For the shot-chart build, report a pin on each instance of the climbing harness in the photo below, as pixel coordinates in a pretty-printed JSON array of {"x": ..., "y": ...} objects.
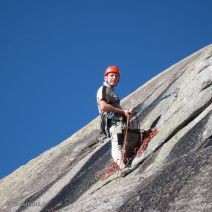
[{"x": 107, "y": 120}]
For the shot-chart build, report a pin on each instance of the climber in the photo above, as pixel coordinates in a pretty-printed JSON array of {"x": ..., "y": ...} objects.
[{"x": 113, "y": 116}]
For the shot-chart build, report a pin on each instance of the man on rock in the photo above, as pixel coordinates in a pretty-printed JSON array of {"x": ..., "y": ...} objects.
[{"x": 113, "y": 116}]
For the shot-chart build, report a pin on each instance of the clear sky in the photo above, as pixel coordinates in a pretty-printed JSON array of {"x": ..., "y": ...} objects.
[{"x": 53, "y": 54}]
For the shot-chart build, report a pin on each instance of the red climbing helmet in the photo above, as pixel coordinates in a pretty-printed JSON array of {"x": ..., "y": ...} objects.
[{"x": 112, "y": 69}]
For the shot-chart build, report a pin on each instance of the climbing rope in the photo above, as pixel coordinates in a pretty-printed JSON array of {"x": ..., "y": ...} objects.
[
  {"x": 145, "y": 141},
  {"x": 113, "y": 167},
  {"x": 123, "y": 155},
  {"x": 110, "y": 169}
]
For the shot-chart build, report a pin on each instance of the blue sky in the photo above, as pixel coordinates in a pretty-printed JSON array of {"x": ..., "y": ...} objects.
[{"x": 53, "y": 54}]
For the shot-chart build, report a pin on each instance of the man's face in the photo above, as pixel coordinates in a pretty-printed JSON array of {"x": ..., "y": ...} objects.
[{"x": 112, "y": 79}]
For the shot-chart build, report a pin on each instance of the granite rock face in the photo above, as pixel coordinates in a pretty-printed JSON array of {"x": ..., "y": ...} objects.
[{"x": 173, "y": 174}]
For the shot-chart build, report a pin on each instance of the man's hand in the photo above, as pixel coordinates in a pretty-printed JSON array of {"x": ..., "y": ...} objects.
[
  {"x": 131, "y": 111},
  {"x": 126, "y": 113}
]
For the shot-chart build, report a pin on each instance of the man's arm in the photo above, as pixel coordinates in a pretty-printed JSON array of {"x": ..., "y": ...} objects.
[{"x": 109, "y": 108}]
